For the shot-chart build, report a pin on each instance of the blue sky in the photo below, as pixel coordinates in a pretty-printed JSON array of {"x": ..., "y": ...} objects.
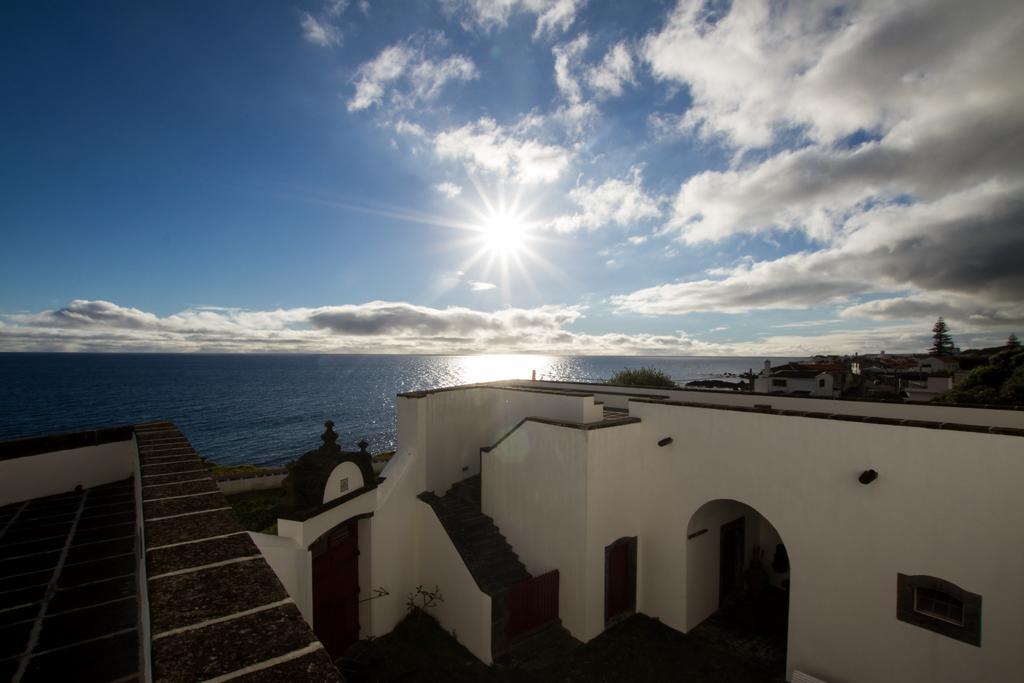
[{"x": 510, "y": 176}]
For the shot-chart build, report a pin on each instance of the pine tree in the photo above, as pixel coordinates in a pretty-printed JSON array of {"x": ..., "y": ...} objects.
[
  {"x": 942, "y": 343},
  {"x": 1012, "y": 341}
]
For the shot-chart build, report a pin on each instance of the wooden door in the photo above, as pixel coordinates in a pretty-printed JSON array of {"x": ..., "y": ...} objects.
[
  {"x": 336, "y": 588},
  {"x": 620, "y": 579},
  {"x": 730, "y": 569}
]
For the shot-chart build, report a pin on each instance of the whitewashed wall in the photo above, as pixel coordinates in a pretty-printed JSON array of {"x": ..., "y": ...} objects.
[
  {"x": 345, "y": 471},
  {"x": 465, "y": 609},
  {"x": 292, "y": 565},
  {"x": 989, "y": 417},
  {"x": 940, "y": 507},
  {"x": 459, "y": 423},
  {"x": 534, "y": 487},
  {"x": 47, "y": 474}
]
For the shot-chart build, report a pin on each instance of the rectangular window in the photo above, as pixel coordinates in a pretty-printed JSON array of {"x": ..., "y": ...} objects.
[
  {"x": 821, "y": 384},
  {"x": 939, "y": 605},
  {"x": 344, "y": 485},
  {"x": 778, "y": 382}
]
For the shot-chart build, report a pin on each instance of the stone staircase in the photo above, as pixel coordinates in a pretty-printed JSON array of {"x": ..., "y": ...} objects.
[
  {"x": 495, "y": 566},
  {"x": 486, "y": 553}
]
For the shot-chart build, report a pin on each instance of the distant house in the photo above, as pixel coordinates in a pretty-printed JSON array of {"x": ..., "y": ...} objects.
[{"x": 800, "y": 379}]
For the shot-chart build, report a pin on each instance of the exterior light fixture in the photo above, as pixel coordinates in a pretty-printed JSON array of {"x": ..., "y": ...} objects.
[
  {"x": 867, "y": 476},
  {"x": 664, "y": 442}
]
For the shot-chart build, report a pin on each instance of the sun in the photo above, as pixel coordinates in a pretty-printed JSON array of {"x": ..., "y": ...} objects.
[{"x": 504, "y": 234}]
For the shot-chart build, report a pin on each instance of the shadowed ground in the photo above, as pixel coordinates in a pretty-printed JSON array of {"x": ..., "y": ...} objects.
[{"x": 744, "y": 643}]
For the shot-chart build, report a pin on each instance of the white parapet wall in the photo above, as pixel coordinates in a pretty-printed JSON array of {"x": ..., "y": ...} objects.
[
  {"x": 934, "y": 412},
  {"x": 291, "y": 563},
  {"x": 464, "y": 609},
  {"x": 230, "y": 486},
  {"x": 47, "y": 474}
]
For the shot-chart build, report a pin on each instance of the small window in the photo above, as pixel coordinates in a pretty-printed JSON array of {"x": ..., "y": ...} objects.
[
  {"x": 821, "y": 384},
  {"x": 939, "y": 605},
  {"x": 778, "y": 382},
  {"x": 343, "y": 485}
]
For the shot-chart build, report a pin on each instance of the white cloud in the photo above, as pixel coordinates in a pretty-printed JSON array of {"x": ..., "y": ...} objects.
[
  {"x": 405, "y": 75},
  {"x": 482, "y": 286},
  {"x": 449, "y": 190},
  {"x": 614, "y": 72},
  {"x": 553, "y": 16},
  {"x": 958, "y": 254},
  {"x": 399, "y": 327},
  {"x": 485, "y": 146},
  {"x": 323, "y": 30},
  {"x": 376, "y": 326},
  {"x": 617, "y": 201},
  {"x": 567, "y": 56},
  {"x": 404, "y": 127},
  {"x": 319, "y": 31},
  {"x": 832, "y": 68}
]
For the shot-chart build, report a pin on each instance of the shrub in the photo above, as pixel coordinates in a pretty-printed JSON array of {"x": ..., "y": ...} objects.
[{"x": 643, "y": 377}]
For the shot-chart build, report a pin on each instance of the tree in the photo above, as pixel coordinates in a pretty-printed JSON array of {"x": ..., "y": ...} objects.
[
  {"x": 942, "y": 343},
  {"x": 1012, "y": 341},
  {"x": 643, "y": 377}
]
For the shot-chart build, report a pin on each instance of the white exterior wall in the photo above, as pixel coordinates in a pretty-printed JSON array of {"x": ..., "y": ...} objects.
[
  {"x": 458, "y": 423},
  {"x": 47, "y": 474},
  {"x": 988, "y": 417},
  {"x": 465, "y": 609},
  {"x": 534, "y": 487},
  {"x": 929, "y": 512},
  {"x": 612, "y": 480},
  {"x": 346, "y": 470},
  {"x": 292, "y": 565}
]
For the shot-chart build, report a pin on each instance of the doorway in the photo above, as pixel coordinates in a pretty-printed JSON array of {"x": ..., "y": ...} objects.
[
  {"x": 619, "y": 580},
  {"x": 336, "y": 587},
  {"x": 730, "y": 566}
]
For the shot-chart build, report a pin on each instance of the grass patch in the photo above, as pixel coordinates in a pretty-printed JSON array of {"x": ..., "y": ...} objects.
[
  {"x": 257, "y": 510},
  {"x": 216, "y": 470}
]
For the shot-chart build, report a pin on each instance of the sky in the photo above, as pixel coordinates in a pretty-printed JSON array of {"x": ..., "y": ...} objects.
[{"x": 511, "y": 176}]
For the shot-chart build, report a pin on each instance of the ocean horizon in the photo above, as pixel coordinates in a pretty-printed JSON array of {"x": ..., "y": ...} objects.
[{"x": 269, "y": 408}]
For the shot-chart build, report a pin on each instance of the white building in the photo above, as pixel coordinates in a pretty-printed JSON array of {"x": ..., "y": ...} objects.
[{"x": 900, "y": 522}]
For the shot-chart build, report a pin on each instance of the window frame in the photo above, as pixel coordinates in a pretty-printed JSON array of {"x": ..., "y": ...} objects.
[{"x": 908, "y": 610}]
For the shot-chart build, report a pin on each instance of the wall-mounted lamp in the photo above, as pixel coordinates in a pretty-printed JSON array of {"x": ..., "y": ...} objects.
[
  {"x": 867, "y": 476},
  {"x": 664, "y": 442}
]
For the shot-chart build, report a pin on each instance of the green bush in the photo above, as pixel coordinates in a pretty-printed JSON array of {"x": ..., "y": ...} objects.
[
  {"x": 1000, "y": 381},
  {"x": 643, "y": 377}
]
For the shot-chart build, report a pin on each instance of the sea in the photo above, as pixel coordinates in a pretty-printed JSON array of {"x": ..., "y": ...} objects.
[{"x": 270, "y": 409}]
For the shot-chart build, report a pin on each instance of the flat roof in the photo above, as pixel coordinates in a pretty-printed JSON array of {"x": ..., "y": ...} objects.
[{"x": 69, "y": 605}]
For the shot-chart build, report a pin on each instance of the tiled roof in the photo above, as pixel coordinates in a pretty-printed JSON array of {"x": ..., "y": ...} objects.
[
  {"x": 217, "y": 610},
  {"x": 70, "y": 571},
  {"x": 68, "y": 597}
]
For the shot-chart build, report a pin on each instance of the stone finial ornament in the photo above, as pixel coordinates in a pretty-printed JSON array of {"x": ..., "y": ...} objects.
[
  {"x": 308, "y": 475},
  {"x": 329, "y": 437}
]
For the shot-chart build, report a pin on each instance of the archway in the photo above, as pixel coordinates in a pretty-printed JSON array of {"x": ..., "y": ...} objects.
[{"x": 738, "y": 579}]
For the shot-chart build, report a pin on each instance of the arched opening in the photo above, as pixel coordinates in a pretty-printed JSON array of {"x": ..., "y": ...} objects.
[{"x": 738, "y": 580}]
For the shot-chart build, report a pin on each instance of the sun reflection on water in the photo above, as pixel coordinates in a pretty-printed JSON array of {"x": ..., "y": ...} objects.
[{"x": 490, "y": 368}]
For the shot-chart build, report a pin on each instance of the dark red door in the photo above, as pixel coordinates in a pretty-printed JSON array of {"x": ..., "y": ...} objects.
[
  {"x": 620, "y": 579},
  {"x": 336, "y": 588}
]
